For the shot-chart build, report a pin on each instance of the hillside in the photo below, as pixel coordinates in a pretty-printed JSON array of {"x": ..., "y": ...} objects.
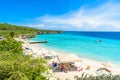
[{"x": 6, "y": 28}]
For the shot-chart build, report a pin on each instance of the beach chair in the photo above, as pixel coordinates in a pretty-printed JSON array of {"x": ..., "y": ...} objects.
[
  {"x": 105, "y": 69},
  {"x": 88, "y": 67}
]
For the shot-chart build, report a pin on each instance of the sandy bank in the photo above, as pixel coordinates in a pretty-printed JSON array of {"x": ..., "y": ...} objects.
[{"x": 84, "y": 63}]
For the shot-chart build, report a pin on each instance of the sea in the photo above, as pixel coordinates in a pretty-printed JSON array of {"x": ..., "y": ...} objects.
[{"x": 100, "y": 46}]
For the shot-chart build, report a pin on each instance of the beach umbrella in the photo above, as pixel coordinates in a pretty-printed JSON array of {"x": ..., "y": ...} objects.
[{"x": 66, "y": 58}]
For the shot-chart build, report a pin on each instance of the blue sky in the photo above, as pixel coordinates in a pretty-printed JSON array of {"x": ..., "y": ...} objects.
[{"x": 78, "y": 15}]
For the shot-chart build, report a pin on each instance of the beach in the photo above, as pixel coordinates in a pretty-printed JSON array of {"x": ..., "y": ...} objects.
[{"x": 89, "y": 67}]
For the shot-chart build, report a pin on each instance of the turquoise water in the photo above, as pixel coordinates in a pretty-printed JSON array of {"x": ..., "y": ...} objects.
[{"x": 83, "y": 46}]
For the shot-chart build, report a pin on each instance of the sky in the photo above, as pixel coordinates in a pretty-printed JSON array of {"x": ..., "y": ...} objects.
[{"x": 67, "y": 15}]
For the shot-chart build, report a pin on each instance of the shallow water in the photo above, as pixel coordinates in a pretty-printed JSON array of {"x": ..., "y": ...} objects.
[{"x": 85, "y": 44}]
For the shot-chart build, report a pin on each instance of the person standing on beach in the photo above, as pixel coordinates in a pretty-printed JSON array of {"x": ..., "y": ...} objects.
[{"x": 62, "y": 67}]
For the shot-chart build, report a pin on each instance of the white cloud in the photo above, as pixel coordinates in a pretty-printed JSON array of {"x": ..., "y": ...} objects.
[{"x": 104, "y": 17}]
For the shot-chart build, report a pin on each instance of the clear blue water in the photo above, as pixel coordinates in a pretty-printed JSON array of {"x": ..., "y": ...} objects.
[{"x": 84, "y": 44}]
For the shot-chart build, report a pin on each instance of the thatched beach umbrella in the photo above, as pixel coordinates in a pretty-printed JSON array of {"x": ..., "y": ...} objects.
[{"x": 66, "y": 58}]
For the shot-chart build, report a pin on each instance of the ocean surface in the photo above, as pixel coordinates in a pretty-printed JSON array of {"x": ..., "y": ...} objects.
[{"x": 101, "y": 46}]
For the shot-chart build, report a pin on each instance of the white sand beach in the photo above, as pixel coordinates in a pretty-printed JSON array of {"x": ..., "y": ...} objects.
[{"x": 90, "y": 67}]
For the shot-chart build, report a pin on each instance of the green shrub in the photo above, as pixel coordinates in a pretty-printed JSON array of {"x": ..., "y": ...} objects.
[
  {"x": 15, "y": 66},
  {"x": 101, "y": 77}
]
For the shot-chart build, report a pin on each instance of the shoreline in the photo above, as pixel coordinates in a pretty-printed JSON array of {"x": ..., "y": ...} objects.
[
  {"x": 85, "y": 58},
  {"x": 94, "y": 64}
]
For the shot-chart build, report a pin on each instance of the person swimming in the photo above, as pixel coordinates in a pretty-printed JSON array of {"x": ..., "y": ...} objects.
[{"x": 98, "y": 40}]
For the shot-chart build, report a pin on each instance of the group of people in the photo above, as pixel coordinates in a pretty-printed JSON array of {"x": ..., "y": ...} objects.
[{"x": 63, "y": 67}]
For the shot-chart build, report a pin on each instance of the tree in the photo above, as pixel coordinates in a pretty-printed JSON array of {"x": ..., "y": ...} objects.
[
  {"x": 15, "y": 66},
  {"x": 12, "y": 34}
]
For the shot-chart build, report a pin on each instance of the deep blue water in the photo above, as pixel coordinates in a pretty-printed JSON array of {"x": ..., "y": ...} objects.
[
  {"x": 109, "y": 35},
  {"x": 85, "y": 44}
]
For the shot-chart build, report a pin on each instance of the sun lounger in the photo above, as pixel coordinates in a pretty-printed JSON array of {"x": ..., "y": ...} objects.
[
  {"x": 104, "y": 69},
  {"x": 88, "y": 67}
]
